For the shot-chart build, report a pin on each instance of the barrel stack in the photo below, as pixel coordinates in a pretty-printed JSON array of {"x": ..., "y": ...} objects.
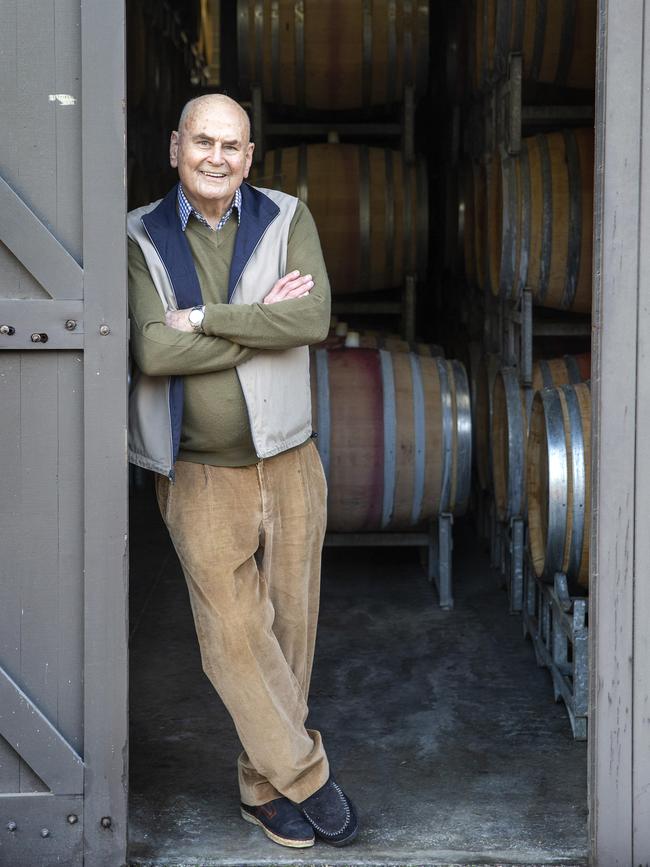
[
  {"x": 333, "y": 100},
  {"x": 518, "y": 195}
]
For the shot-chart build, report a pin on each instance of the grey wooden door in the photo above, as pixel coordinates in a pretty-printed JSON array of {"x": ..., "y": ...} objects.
[{"x": 63, "y": 480}]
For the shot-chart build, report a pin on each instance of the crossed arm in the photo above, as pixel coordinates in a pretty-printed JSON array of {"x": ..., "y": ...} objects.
[{"x": 295, "y": 312}]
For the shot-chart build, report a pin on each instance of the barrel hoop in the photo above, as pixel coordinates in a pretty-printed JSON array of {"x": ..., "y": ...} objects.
[
  {"x": 572, "y": 369},
  {"x": 392, "y": 51},
  {"x": 540, "y": 39},
  {"x": 557, "y": 482},
  {"x": 277, "y": 169},
  {"x": 566, "y": 42},
  {"x": 408, "y": 218},
  {"x": 463, "y": 438},
  {"x": 259, "y": 42},
  {"x": 547, "y": 376},
  {"x": 299, "y": 27},
  {"x": 275, "y": 51},
  {"x": 390, "y": 436},
  {"x": 419, "y": 444},
  {"x": 243, "y": 48},
  {"x": 445, "y": 406},
  {"x": 389, "y": 215},
  {"x": 508, "y": 228},
  {"x": 407, "y": 36},
  {"x": 422, "y": 217},
  {"x": 516, "y": 440},
  {"x": 524, "y": 226},
  {"x": 579, "y": 480},
  {"x": 303, "y": 185},
  {"x": 366, "y": 80},
  {"x": 575, "y": 219},
  {"x": 422, "y": 55},
  {"x": 364, "y": 215},
  {"x": 547, "y": 217},
  {"x": 323, "y": 404}
]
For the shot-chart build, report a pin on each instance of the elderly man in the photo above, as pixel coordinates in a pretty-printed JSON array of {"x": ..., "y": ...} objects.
[{"x": 227, "y": 287}]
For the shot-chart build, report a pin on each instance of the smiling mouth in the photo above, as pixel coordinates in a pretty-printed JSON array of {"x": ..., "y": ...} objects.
[{"x": 217, "y": 175}]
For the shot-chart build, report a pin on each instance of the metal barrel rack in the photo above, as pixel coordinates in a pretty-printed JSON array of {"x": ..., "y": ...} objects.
[{"x": 556, "y": 622}]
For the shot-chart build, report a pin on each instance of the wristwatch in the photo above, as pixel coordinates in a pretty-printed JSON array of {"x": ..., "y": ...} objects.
[{"x": 196, "y": 316}]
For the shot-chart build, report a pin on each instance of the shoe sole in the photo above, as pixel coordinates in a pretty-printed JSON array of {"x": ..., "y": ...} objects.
[
  {"x": 343, "y": 842},
  {"x": 282, "y": 841}
]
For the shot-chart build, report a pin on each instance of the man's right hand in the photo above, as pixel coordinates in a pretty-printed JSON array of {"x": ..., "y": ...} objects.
[{"x": 292, "y": 285}]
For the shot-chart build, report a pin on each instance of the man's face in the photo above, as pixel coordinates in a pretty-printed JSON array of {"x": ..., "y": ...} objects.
[{"x": 212, "y": 154}]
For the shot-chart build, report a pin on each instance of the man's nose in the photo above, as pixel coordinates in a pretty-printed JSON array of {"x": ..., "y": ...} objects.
[{"x": 217, "y": 154}]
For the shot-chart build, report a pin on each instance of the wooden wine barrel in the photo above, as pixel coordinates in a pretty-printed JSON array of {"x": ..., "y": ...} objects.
[
  {"x": 559, "y": 483},
  {"x": 345, "y": 54},
  {"x": 568, "y": 370},
  {"x": 483, "y": 371},
  {"x": 393, "y": 343},
  {"x": 557, "y": 40},
  {"x": 510, "y": 430},
  {"x": 369, "y": 205},
  {"x": 483, "y": 43},
  {"x": 394, "y": 435},
  {"x": 555, "y": 225},
  {"x": 510, "y": 406}
]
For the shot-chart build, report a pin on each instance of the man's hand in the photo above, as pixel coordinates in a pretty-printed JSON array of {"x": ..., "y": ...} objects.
[
  {"x": 179, "y": 319},
  {"x": 292, "y": 285}
]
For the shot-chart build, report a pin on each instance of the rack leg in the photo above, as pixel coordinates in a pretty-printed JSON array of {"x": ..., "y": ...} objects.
[
  {"x": 442, "y": 575},
  {"x": 408, "y": 308},
  {"x": 516, "y": 565}
]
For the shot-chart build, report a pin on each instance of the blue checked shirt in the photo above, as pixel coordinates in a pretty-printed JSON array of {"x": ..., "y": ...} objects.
[{"x": 185, "y": 210}]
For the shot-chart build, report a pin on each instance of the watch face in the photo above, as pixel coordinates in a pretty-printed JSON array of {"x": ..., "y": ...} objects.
[{"x": 196, "y": 317}]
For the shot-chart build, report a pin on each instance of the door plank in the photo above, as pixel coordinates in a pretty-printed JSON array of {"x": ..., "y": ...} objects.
[
  {"x": 614, "y": 381},
  {"x": 37, "y": 741},
  {"x": 36, "y": 248}
]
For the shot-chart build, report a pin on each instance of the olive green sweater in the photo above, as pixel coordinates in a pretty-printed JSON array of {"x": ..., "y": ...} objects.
[{"x": 216, "y": 429}]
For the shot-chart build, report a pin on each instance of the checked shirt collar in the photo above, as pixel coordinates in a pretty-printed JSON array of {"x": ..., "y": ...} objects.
[{"x": 185, "y": 210}]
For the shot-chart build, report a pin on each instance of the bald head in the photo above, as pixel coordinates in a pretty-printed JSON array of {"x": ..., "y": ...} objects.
[{"x": 196, "y": 107}]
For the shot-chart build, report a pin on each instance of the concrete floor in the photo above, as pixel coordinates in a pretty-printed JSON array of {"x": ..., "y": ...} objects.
[{"x": 439, "y": 724}]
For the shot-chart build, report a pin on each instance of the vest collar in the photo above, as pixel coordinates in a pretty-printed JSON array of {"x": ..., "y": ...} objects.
[{"x": 164, "y": 228}]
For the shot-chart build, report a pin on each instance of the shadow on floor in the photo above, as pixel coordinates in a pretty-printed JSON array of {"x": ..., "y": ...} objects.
[{"x": 439, "y": 724}]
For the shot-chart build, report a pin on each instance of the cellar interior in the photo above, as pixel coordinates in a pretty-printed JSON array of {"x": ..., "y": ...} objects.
[{"x": 446, "y": 153}]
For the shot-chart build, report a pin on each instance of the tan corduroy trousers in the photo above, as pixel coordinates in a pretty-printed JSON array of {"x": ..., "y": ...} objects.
[{"x": 249, "y": 540}]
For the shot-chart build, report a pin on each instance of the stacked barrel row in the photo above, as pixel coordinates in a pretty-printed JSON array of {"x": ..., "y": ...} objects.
[
  {"x": 533, "y": 449},
  {"x": 527, "y": 220},
  {"x": 392, "y": 416},
  {"x": 556, "y": 38},
  {"x": 369, "y": 203}
]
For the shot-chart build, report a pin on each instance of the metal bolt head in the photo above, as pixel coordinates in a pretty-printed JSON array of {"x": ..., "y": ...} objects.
[
  {"x": 72, "y": 819},
  {"x": 106, "y": 822},
  {"x": 104, "y": 330},
  {"x": 45, "y": 832},
  {"x": 70, "y": 324},
  {"x": 36, "y": 338},
  {"x": 11, "y": 826},
  {"x": 5, "y": 329}
]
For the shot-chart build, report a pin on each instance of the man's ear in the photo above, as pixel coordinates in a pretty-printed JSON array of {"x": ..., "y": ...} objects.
[
  {"x": 249, "y": 158},
  {"x": 173, "y": 150}
]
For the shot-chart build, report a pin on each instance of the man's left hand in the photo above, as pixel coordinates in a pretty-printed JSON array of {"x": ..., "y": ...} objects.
[{"x": 179, "y": 319}]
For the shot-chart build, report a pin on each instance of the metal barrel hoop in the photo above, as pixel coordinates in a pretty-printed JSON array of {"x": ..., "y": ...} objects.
[
  {"x": 515, "y": 495},
  {"x": 275, "y": 51},
  {"x": 567, "y": 40},
  {"x": 463, "y": 437},
  {"x": 364, "y": 215},
  {"x": 389, "y": 214},
  {"x": 540, "y": 39},
  {"x": 526, "y": 216},
  {"x": 366, "y": 58},
  {"x": 545, "y": 372},
  {"x": 243, "y": 48},
  {"x": 575, "y": 219},
  {"x": 573, "y": 370},
  {"x": 259, "y": 43},
  {"x": 420, "y": 439},
  {"x": 578, "y": 478},
  {"x": 447, "y": 427},
  {"x": 547, "y": 216},
  {"x": 509, "y": 227},
  {"x": 557, "y": 482}
]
